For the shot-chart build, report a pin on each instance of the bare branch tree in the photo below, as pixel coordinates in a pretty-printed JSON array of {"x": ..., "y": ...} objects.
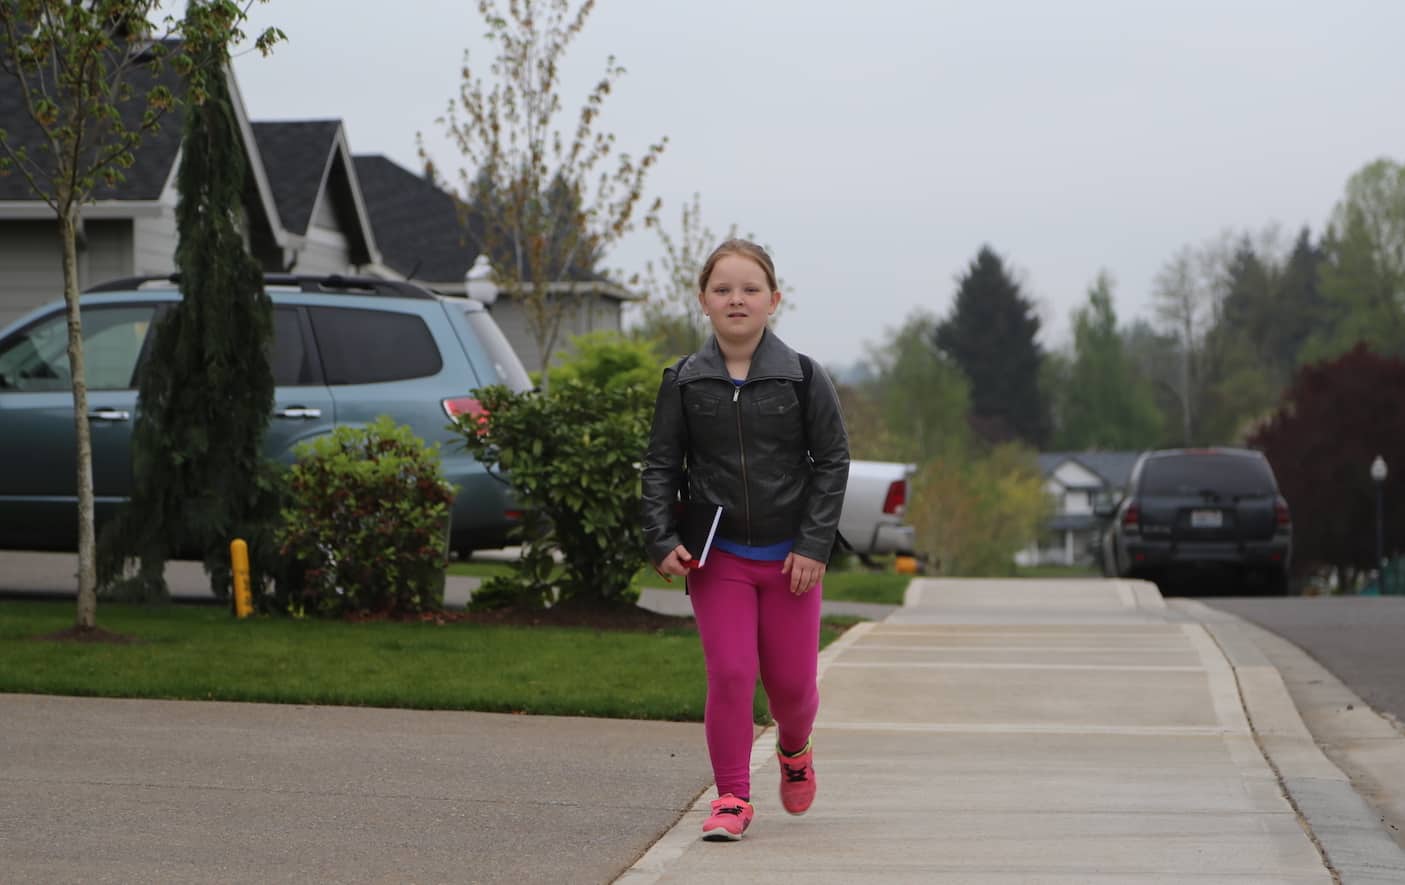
[{"x": 547, "y": 203}]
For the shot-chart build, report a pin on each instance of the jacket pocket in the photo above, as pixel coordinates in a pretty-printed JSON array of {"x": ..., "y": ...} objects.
[
  {"x": 782, "y": 402},
  {"x": 701, "y": 405}
]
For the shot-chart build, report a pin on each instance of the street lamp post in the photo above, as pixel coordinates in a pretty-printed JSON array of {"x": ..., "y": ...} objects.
[{"x": 1378, "y": 475}]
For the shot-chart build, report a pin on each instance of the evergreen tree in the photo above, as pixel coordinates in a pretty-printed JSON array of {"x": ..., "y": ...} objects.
[
  {"x": 1104, "y": 403},
  {"x": 206, "y": 388},
  {"x": 990, "y": 335},
  {"x": 1303, "y": 308},
  {"x": 1239, "y": 382}
]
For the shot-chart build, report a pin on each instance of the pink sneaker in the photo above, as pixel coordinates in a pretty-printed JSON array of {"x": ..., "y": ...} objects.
[
  {"x": 797, "y": 779},
  {"x": 730, "y": 818}
]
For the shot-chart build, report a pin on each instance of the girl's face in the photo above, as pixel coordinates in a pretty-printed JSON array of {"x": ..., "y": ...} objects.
[{"x": 738, "y": 299}]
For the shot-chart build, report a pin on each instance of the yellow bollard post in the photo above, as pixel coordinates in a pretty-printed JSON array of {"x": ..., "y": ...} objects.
[{"x": 239, "y": 562}]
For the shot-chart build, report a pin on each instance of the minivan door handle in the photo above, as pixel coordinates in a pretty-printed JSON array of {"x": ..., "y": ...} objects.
[
  {"x": 110, "y": 415},
  {"x": 298, "y": 412}
]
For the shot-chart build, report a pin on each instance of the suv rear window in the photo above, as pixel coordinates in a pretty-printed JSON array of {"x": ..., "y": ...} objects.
[
  {"x": 1228, "y": 475},
  {"x": 511, "y": 373},
  {"x": 372, "y": 346}
]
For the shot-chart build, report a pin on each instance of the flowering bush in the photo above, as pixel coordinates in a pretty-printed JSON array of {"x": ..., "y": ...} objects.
[
  {"x": 572, "y": 455},
  {"x": 367, "y": 523}
]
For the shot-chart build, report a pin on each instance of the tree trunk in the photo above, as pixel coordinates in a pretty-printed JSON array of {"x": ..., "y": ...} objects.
[{"x": 87, "y": 560}]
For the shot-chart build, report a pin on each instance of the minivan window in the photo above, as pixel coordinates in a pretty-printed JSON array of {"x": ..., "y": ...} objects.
[
  {"x": 37, "y": 358},
  {"x": 371, "y": 346},
  {"x": 1193, "y": 475},
  {"x": 511, "y": 373},
  {"x": 291, "y": 363}
]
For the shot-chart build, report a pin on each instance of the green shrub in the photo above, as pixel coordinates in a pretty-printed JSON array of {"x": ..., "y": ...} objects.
[
  {"x": 973, "y": 514},
  {"x": 572, "y": 455},
  {"x": 608, "y": 360},
  {"x": 366, "y": 524}
]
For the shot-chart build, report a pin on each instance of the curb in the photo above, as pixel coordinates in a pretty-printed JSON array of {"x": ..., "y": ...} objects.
[{"x": 1351, "y": 835}]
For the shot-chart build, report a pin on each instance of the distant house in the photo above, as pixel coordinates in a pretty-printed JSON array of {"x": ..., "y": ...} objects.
[
  {"x": 1075, "y": 482},
  {"x": 310, "y": 207}
]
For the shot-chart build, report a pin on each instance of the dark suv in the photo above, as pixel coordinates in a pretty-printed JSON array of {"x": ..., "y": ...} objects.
[
  {"x": 1202, "y": 507},
  {"x": 346, "y": 350}
]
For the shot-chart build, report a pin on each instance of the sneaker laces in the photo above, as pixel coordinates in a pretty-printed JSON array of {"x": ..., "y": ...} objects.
[
  {"x": 729, "y": 809},
  {"x": 796, "y": 774}
]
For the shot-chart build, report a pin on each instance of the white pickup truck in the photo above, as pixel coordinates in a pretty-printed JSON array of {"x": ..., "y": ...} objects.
[{"x": 875, "y": 501}]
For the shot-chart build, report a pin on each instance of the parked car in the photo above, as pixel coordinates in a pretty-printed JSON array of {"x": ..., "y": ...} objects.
[
  {"x": 1215, "y": 507},
  {"x": 875, "y": 501},
  {"x": 345, "y": 351}
]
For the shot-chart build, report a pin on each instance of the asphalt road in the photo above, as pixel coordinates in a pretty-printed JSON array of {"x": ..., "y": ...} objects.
[
  {"x": 1361, "y": 639},
  {"x": 100, "y": 790}
]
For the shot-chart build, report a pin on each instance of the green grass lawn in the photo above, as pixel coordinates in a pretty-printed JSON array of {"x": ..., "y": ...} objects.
[
  {"x": 202, "y": 653},
  {"x": 856, "y": 585},
  {"x": 883, "y": 588}
]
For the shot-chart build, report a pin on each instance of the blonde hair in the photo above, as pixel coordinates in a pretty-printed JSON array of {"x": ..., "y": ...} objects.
[{"x": 745, "y": 249}]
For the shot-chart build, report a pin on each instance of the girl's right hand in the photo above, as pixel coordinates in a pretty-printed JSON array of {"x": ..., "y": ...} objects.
[{"x": 673, "y": 563}]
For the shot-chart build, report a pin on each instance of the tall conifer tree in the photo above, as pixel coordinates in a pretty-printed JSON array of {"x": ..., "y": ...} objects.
[
  {"x": 991, "y": 336},
  {"x": 206, "y": 388}
]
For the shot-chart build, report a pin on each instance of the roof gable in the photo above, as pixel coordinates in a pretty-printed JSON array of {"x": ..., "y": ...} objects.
[
  {"x": 416, "y": 224},
  {"x": 297, "y": 157},
  {"x": 1112, "y": 469},
  {"x": 155, "y": 156}
]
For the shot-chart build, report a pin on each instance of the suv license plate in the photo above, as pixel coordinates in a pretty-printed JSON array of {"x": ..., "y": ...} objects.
[{"x": 1206, "y": 519}]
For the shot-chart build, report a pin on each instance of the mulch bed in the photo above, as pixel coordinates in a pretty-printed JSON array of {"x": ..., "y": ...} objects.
[{"x": 89, "y": 635}]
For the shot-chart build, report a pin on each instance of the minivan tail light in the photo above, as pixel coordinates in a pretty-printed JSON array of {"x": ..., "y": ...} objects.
[
  {"x": 896, "y": 499},
  {"x": 1132, "y": 518},
  {"x": 1281, "y": 513},
  {"x": 458, "y": 406}
]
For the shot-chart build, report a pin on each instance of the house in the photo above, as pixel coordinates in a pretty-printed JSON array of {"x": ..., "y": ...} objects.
[
  {"x": 421, "y": 235},
  {"x": 310, "y": 207},
  {"x": 1076, "y": 482}
]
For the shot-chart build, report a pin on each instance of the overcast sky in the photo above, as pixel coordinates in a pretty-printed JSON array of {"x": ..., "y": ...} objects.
[{"x": 875, "y": 146}]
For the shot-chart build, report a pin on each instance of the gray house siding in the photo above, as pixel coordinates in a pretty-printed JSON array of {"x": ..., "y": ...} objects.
[
  {"x": 592, "y": 313},
  {"x": 31, "y": 258},
  {"x": 324, "y": 252}
]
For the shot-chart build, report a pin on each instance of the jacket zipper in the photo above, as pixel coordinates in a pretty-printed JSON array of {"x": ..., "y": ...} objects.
[{"x": 741, "y": 445}]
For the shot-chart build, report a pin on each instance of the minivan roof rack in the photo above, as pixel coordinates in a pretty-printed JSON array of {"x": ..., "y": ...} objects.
[{"x": 334, "y": 284}]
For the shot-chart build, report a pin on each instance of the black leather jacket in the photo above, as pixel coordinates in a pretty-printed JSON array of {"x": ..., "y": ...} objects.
[{"x": 746, "y": 450}]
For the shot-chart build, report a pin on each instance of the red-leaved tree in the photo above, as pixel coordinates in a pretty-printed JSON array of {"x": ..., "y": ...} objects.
[{"x": 1334, "y": 420}]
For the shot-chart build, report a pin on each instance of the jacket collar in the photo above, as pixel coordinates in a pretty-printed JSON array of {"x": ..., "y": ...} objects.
[{"x": 773, "y": 359}]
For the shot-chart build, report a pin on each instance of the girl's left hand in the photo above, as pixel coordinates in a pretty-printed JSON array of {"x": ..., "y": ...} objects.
[{"x": 804, "y": 572}]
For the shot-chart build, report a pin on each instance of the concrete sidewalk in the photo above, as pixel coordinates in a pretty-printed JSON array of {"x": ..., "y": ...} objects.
[{"x": 1047, "y": 732}]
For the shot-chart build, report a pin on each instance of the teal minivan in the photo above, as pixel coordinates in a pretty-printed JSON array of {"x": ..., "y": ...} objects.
[{"x": 346, "y": 350}]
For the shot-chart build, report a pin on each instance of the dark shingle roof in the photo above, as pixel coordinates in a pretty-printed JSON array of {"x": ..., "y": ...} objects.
[
  {"x": 154, "y": 158},
  {"x": 1114, "y": 467},
  {"x": 295, "y": 156},
  {"x": 416, "y": 225}
]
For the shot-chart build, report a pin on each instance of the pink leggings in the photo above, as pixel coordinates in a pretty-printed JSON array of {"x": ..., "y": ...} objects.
[{"x": 749, "y": 620}]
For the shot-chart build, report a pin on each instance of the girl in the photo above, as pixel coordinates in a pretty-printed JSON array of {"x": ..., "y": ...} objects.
[{"x": 748, "y": 424}]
